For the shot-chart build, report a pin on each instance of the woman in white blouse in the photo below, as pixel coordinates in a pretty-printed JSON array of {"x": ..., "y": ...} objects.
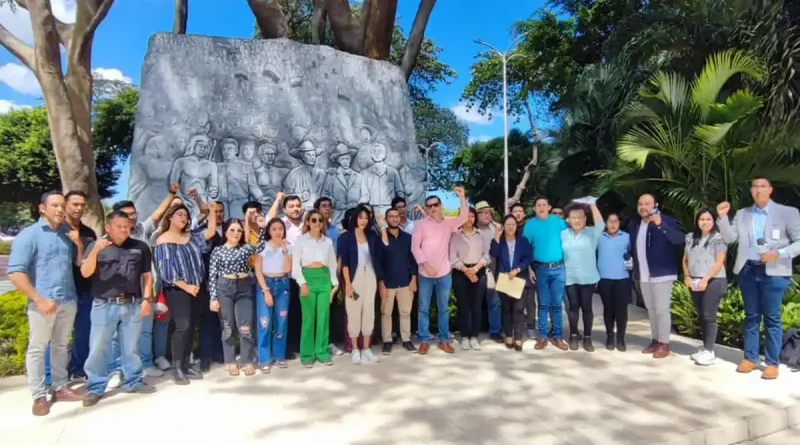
[
  {"x": 314, "y": 269},
  {"x": 272, "y": 269}
]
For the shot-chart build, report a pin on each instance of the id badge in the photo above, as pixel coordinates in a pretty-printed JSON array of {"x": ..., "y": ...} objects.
[{"x": 776, "y": 233}]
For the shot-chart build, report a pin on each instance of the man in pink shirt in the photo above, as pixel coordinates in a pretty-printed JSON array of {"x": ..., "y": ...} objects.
[{"x": 430, "y": 245}]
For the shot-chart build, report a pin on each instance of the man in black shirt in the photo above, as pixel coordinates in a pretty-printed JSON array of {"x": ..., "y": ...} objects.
[
  {"x": 209, "y": 345},
  {"x": 116, "y": 265},
  {"x": 400, "y": 281}
]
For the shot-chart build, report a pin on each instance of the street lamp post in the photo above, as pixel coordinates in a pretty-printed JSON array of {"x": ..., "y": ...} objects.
[{"x": 505, "y": 57}]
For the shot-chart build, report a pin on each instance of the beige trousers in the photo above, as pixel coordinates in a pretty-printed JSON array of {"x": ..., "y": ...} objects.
[
  {"x": 405, "y": 298},
  {"x": 361, "y": 312}
]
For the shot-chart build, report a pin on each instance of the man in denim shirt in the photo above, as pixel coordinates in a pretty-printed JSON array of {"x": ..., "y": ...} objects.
[{"x": 40, "y": 266}]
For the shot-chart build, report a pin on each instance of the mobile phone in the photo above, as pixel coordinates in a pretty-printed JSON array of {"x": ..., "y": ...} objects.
[{"x": 356, "y": 296}]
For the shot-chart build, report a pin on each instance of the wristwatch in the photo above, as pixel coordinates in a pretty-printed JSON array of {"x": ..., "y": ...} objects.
[{"x": 148, "y": 299}]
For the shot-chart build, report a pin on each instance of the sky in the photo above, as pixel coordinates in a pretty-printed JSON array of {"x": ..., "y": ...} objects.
[{"x": 121, "y": 41}]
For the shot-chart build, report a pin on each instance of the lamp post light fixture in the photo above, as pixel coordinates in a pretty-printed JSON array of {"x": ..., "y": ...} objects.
[{"x": 505, "y": 57}]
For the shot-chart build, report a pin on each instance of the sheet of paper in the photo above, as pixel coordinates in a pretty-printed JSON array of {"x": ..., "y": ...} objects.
[{"x": 513, "y": 287}]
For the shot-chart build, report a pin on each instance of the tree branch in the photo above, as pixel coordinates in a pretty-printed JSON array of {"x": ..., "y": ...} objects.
[
  {"x": 416, "y": 37},
  {"x": 181, "y": 16},
  {"x": 380, "y": 29},
  {"x": 18, "y": 48},
  {"x": 318, "y": 22},
  {"x": 64, "y": 29},
  {"x": 534, "y": 131},
  {"x": 346, "y": 30},
  {"x": 270, "y": 18},
  {"x": 366, "y": 10},
  {"x": 523, "y": 182}
]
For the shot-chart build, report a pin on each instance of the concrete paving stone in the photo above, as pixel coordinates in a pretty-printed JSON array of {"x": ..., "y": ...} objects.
[{"x": 488, "y": 397}]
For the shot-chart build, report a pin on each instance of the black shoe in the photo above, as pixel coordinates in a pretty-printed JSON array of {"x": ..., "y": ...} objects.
[
  {"x": 191, "y": 373},
  {"x": 518, "y": 347},
  {"x": 290, "y": 355},
  {"x": 497, "y": 338},
  {"x": 587, "y": 344},
  {"x": 91, "y": 399},
  {"x": 408, "y": 346},
  {"x": 621, "y": 343},
  {"x": 178, "y": 375},
  {"x": 387, "y": 348},
  {"x": 610, "y": 343},
  {"x": 573, "y": 342},
  {"x": 144, "y": 388},
  {"x": 205, "y": 365}
]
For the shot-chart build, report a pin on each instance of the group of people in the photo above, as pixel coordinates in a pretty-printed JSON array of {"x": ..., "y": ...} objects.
[{"x": 244, "y": 278}]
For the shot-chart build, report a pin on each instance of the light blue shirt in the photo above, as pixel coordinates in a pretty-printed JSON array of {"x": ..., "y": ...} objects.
[
  {"x": 580, "y": 258},
  {"x": 545, "y": 237},
  {"x": 759, "y": 228},
  {"x": 611, "y": 252},
  {"x": 333, "y": 234},
  {"x": 46, "y": 256}
]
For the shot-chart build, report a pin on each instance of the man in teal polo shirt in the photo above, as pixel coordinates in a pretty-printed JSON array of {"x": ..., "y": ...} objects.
[{"x": 544, "y": 233}]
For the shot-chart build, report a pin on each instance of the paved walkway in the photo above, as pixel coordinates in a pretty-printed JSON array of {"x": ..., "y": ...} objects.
[{"x": 484, "y": 397}]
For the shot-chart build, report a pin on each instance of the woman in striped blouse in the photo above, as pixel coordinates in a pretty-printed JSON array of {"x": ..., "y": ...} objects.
[{"x": 179, "y": 260}]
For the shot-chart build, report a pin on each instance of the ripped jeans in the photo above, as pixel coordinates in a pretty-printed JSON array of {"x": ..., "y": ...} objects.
[
  {"x": 272, "y": 321},
  {"x": 236, "y": 310}
]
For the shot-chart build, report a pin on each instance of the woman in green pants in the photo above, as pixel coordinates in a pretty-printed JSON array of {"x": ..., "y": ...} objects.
[{"x": 314, "y": 269}]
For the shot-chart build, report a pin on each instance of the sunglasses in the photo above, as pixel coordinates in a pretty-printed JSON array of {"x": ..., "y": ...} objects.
[
  {"x": 433, "y": 206},
  {"x": 315, "y": 220}
]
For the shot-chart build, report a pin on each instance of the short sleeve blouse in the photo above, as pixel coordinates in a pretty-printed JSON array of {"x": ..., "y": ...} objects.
[{"x": 182, "y": 262}]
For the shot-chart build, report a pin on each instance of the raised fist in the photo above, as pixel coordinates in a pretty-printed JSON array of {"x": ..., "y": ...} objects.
[
  {"x": 174, "y": 188},
  {"x": 723, "y": 208}
]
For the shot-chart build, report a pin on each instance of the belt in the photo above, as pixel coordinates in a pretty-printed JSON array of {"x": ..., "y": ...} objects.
[
  {"x": 549, "y": 265},
  {"x": 122, "y": 299},
  {"x": 236, "y": 276},
  {"x": 755, "y": 263}
]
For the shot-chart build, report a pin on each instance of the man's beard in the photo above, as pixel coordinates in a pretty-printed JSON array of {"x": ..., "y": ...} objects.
[{"x": 396, "y": 226}]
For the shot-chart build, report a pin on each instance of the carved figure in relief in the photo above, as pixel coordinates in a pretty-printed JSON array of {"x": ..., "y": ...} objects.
[
  {"x": 241, "y": 178},
  {"x": 381, "y": 182},
  {"x": 343, "y": 184},
  {"x": 306, "y": 179},
  {"x": 268, "y": 177},
  {"x": 195, "y": 170}
]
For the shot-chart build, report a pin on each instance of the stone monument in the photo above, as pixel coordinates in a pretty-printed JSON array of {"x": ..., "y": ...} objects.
[{"x": 241, "y": 120}]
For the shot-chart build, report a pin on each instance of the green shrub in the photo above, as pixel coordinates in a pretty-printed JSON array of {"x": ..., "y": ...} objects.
[
  {"x": 13, "y": 333},
  {"x": 731, "y": 318},
  {"x": 5, "y": 247},
  {"x": 684, "y": 315}
]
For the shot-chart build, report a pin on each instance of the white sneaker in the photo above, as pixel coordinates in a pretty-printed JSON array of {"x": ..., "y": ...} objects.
[
  {"x": 162, "y": 363},
  {"x": 355, "y": 357},
  {"x": 153, "y": 372},
  {"x": 115, "y": 380},
  {"x": 368, "y": 357},
  {"x": 474, "y": 344},
  {"x": 335, "y": 351},
  {"x": 465, "y": 343},
  {"x": 706, "y": 358},
  {"x": 697, "y": 354}
]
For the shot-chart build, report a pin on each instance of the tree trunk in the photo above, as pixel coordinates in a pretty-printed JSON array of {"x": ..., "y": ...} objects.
[
  {"x": 379, "y": 29},
  {"x": 318, "y": 22},
  {"x": 534, "y": 132},
  {"x": 523, "y": 182},
  {"x": 181, "y": 16},
  {"x": 270, "y": 18},
  {"x": 416, "y": 37},
  {"x": 346, "y": 30}
]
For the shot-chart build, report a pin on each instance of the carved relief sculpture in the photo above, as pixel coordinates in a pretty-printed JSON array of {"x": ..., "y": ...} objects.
[
  {"x": 381, "y": 182},
  {"x": 306, "y": 179},
  {"x": 194, "y": 170},
  {"x": 343, "y": 184}
]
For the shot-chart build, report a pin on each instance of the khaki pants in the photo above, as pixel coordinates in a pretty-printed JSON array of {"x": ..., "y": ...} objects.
[
  {"x": 361, "y": 312},
  {"x": 405, "y": 299}
]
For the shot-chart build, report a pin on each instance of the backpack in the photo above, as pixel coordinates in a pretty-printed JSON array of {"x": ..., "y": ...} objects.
[{"x": 790, "y": 349}]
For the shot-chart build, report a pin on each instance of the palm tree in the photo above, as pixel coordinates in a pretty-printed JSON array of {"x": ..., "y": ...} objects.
[{"x": 698, "y": 144}]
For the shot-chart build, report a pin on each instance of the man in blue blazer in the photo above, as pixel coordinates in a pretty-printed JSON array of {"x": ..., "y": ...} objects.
[{"x": 769, "y": 237}]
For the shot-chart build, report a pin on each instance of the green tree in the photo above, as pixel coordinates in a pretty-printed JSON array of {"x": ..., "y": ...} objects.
[
  {"x": 14, "y": 214},
  {"x": 698, "y": 143}
]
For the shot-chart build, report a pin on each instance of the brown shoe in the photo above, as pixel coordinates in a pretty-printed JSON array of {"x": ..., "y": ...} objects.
[
  {"x": 540, "y": 344},
  {"x": 40, "y": 407},
  {"x": 67, "y": 395},
  {"x": 233, "y": 369},
  {"x": 746, "y": 367},
  {"x": 662, "y": 350},
  {"x": 650, "y": 349},
  {"x": 423, "y": 349},
  {"x": 560, "y": 344},
  {"x": 770, "y": 373},
  {"x": 445, "y": 347},
  {"x": 249, "y": 370}
]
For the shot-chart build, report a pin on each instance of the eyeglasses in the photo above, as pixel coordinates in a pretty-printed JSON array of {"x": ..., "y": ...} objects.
[
  {"x": 433, "y": 206},
  {"x": 315, "y": 220},
  {"x": 131, "y": 215}
]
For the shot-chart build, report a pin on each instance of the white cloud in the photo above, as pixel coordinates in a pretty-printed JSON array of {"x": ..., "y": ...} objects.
[
  {"x": 20, "y": 78},
  {"x": 19, "y": 22},
  {"x": 7, "y": 105},
  {"x": 470, "y": 116},
  {"x": 112, "y": 74},
  {"x": 480, "y": 138}
]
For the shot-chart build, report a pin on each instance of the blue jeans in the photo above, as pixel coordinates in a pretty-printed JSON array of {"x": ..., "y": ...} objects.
[
  {"x": 124, "y": 321},
  {"x": 550, "y": 283},
  {"x": 272, "y": 321},
  {"x": 426, "y": 287},
  {"x": 495, "y": 310},
  {"x": 763, "y": 297},
  {"x": 153, "y": 341}
]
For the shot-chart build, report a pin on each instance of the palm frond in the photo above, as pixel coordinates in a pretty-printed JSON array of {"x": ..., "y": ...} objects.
[{"x": 718, "y": 70}]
